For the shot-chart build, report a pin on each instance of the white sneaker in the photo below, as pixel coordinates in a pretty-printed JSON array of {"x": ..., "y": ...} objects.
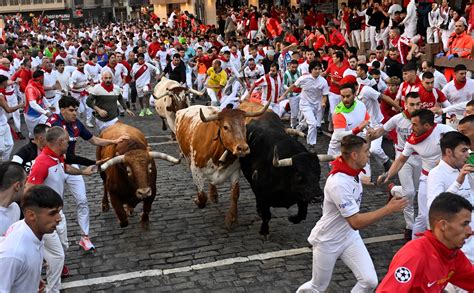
[{"x": 89, "y": 124}]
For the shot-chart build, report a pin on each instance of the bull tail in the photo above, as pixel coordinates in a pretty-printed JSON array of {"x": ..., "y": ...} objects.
[{"x": 163, "y": 125}]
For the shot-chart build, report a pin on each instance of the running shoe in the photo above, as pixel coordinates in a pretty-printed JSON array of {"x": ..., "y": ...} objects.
[
  {"x": 142, "y": 113},
  {"x": 65, "y": 272},
  {"x": 86, "y": 243},
  {"x": 148, "y": 112},
  {"x": 89, "y": 124}
]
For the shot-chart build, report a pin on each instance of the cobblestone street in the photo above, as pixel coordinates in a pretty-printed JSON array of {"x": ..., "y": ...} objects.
[{"x": 181, "y": 237}]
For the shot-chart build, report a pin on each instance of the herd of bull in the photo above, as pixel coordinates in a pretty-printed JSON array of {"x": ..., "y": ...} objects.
[{"x": 217, "y": 145}]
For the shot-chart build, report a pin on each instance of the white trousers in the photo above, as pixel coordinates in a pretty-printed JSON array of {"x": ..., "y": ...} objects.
[
  {"x": 312, "y": 115},
  {"x": 377, "y": 152},
  {"x": 355, "y": 35},
  {"x": 201, "y": 77},
  {"x": 334, "y": 99},
  {"x": 432, "y": 35},
  {"x": 410, "y": 29},
  {"x": 354, "y": 254},
  {"x": 409, "y": 176},
  {"x": 252, "y": 34},
  {"x": 55, "y": 245},
  {"x": 444, "y": 38},
  {"x": 77, "y": 187},
  {"x": 54, "y": 102},
  {"x": 421, "y": 222},
  {"x": 83, "y": 108},
  {"x": 213, "y": 95},
  {"x": 372, "y": 36},
  {"x": 103, "y": 125},
  {"x": 6, "y": 142},
  {"x": 295, "y": 110},
  {"x": 31, "y": 122},
  {"x": 12, "y": 102},
  {"x": 126, "y": 91}
]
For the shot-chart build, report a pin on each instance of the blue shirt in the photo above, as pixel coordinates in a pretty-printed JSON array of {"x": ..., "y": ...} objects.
[{"x": 74, "y": 129}]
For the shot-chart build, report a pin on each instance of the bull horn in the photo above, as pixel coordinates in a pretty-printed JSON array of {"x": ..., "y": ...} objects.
[
  {"x": 258, "y": 113},
  {"x": 326, "y": 158},
  {"x": 209, "y": 118},
  {"x": 195, "y": 92},
  {"x": 163, "y": 156},
  {"x": 277, "y": 163},
  {"x": 114, "y": 161},
  {"x": 224, "y": 156},
  {"x": 295, "y": 132},
  {"x": 167, "y": 93}
]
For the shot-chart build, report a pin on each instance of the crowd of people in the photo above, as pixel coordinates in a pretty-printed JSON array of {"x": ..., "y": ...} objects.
[{"x": 310, "y": 67}]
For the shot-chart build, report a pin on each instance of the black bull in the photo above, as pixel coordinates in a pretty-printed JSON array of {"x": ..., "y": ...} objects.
[{"x": 295, "y": 181}]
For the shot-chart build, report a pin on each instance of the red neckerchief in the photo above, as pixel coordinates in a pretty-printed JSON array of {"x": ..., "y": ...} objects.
[
  {"x": 407, "y": 114},
  {"x": 108, "y": 88},
  {"x": 340, "y": 166},
  {"x": 459, "y": 85},
  {"x": 91, "y": 63},
  {"x": 3, "y": 91},
  {"x": 4, "y": 68},
  {"x": 37, "y": 85},
  {"x": 46, "y": 70},
  {"x": 235, "y": 54},
  {"x": 49, "y": 152},
  {"x": 413, "y": 139},
  {"x": 81, "y": 70},
  {"x": 64, "y": 54},
  {"x": 222, "y": 58}
]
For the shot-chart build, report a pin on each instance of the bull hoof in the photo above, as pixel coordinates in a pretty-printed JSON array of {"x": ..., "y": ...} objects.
[
  {"x": 230, "y": 221},
  {"x": 124, "y": 224},
  {"x": 105, "y": 208},
  {"x": 145, "y": 225},
  {"x": 199, "y": 204},
  {"x": 295, "y": 219},
  {"x": 214, "y": 198}
]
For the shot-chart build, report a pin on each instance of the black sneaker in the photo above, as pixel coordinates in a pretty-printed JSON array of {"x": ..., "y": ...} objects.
[
  {"x": 407, "y": 234},
  {"x": 20, "y": 135},
  {"x": 387, "y": 165}
]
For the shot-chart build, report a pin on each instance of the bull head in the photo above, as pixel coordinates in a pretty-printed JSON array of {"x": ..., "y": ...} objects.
[{"x": 246, "y": 114}]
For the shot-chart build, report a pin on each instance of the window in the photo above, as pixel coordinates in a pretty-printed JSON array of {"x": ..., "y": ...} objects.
[
  {"x": 3, "y": 2},
  {"x": 25, "y": 2},
  {"x": 37, "y": 1},
  {"x": 13, "y": 2}
]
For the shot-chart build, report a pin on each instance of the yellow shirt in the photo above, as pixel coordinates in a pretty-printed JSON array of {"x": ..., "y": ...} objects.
[{"x": 216, "y": 78}]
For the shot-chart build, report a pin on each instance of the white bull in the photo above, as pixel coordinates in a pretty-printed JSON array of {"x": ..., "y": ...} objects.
[{"x": 170, "y": 96}]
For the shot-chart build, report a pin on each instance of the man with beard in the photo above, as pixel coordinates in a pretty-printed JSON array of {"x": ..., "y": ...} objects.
[
  {"x": 424, "y": 141},
  {"x": 409, "y": 174},
  {"x": 459, "y": 90},
  {"x": 103, "y": 99}
]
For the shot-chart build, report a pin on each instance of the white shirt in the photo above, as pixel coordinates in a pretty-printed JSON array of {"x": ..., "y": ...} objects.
[
  {"x": 92, "y": 72},
  {"x": 21, "y": 256},
  {"x": 348, "y": 72},
  {"x": 403, "y": 128},
  {"x": 429, "y": 149},
  {"x": 370, "y": 98},
  {"x": 312, "y": 89},
  {"x": 456, "y": 96},
  {"x": 145, "y": 78},
  {"x": 442, "y": 178},
  {"x": 8, "y": 216},
  {"x": 342, "y": 198},
  {"x": 253, "y": 74},
  {"x": 304, "y": 67},
  {"x": 49, "y": 81},
  {"x": 118, "y": 73}
]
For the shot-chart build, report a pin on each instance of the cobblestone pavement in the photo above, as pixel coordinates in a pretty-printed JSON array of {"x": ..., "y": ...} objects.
[{"x": 181, "y": 235}]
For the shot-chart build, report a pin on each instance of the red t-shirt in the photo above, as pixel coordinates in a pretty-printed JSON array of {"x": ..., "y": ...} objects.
[
  {"x": 25, "y": 75},
  {"x": 336, "y": 74},
  {"x": 429, "y": 99}
]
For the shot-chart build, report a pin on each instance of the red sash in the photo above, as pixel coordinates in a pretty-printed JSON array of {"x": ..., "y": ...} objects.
[{"x": 141, "y": 71}]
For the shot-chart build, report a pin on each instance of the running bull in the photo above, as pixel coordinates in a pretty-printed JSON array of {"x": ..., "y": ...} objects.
[
  {"x": 280, "y": 170},
  {"x": 128, "y": 172},
  {"x": 212, "y": 141},
  {"x": 170, "y": 97}
]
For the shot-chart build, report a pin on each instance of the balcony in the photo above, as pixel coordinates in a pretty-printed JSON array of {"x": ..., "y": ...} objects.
[{"x": 13, "y": 6}]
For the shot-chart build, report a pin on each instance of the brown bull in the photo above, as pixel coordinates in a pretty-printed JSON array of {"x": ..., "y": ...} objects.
[
  {"x": 128, "y": 172},
  {"x": 204, "y": 135}
]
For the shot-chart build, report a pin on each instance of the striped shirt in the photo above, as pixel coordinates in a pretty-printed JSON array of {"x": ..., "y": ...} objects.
[
  {"x": 289, "y": 79},
  {"x": 272, "y": 87}
]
